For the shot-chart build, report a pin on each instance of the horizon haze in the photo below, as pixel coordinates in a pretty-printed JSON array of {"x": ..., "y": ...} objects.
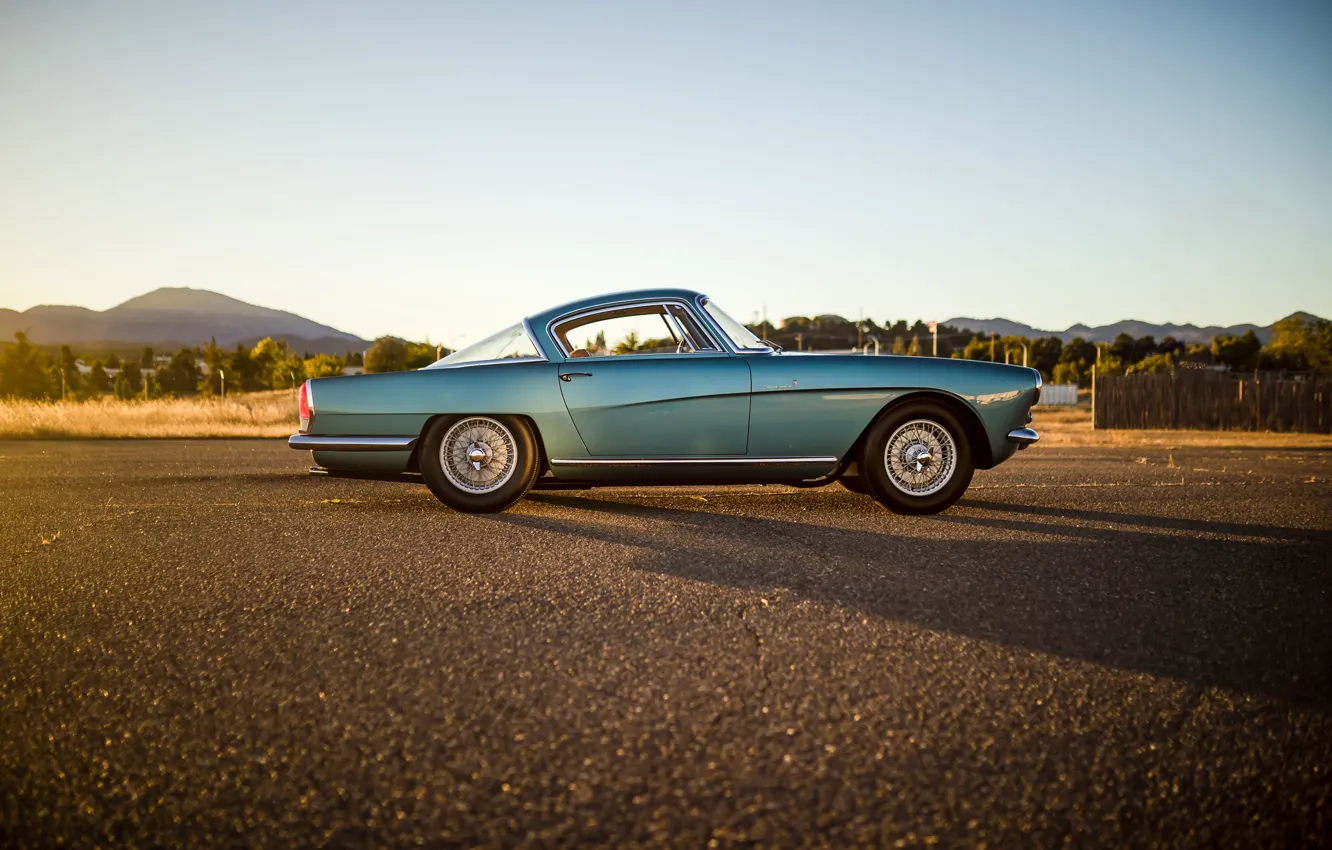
[{"x": 437, "y": 170}]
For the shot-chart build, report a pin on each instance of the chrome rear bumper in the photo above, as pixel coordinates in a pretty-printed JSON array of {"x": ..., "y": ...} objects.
[{"x": 1023, "y": 437}]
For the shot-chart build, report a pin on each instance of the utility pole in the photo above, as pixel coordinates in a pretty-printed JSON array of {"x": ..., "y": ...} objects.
[
  {"x": 62, "y": 383},
  {"x": 222, "y": 382},
  {"x": 934, "y": 332},
  {"x": 800, "y": 342},
  {"x": 860, "y": 326}
]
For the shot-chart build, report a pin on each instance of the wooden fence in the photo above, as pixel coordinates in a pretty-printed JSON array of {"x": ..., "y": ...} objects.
[{"x": 1215, "y": 401}]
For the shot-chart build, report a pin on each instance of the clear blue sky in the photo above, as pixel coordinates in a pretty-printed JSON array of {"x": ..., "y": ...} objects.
[{"x": 435, "y": 169}]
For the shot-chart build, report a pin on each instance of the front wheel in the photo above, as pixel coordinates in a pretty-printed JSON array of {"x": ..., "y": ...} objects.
[
  {"x": 917, "y": 459},
  {"x": 479, "y": 464}
]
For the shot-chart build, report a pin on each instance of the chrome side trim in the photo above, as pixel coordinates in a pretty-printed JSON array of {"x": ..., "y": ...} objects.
[
  {"x": 305, "y": 442},
  {"x": 1023, "y": 436},
  {"x": 690, "y": 461}
]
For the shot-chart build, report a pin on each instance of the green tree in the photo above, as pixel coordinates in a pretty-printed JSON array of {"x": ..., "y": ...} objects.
[
  {"x": 243, "y": 373},
  {"x": 420, "y": 354},
  {"x": 1067, "y": 373},
  {"x": 132, "y": 377},
  {"x": 98, "y": 379},
  {"x": 1144, "y": 346},
  {"x": 1122, "y": 347},
  {"x": 976, "y": 349},
  {"x": 1045, "y": 355},
  {"x": 388, "y": 354},
  {"x": 322, "y": 366},
  {"x": 269, "y": 358},
  {"x": 1237, "y": 353},
  {"x": 1152, "y": 364},
  {"x": 913, "y": 350},
  {"x": 69, "y": 370},
  {"x": 181, "y": 376},
  {"x": 24, "y": 371},
  {"x": 1299, "y": 342},
  {"x": 146, "y": 358}
]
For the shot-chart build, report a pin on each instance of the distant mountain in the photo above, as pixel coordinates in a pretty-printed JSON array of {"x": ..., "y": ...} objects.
[
  {"x": 172, "y": 317},
  {"x": 1107, "y": 333}
]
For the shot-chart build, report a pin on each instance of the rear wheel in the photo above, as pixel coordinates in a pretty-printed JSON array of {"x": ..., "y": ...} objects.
[
  {"x": 479, "y": 464},
  {"x": 917, "y": 459}
]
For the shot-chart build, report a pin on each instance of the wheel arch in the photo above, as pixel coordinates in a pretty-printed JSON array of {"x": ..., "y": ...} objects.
[
  {"x": 982, "y": 457},
  {"x": 414, "y": 461}
]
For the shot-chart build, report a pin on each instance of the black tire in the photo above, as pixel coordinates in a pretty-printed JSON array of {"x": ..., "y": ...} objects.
[
  {"x": 854, "y": 483},
  {"x": 922, "y": 417},
  {"x": 446, "y": 485}
]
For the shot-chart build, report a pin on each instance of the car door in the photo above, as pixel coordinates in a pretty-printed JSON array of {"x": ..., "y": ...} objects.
[{"x": 677, "y": 395}]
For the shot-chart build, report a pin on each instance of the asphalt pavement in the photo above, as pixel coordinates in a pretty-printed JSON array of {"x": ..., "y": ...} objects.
[{"x": 201, "y": 645}]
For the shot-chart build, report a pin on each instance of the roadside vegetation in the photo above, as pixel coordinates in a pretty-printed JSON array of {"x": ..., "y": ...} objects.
[
  {"x": 260, "y": 414},
  {"x": 249, "y": 392},
  {"x": 1071, "y": 427}
]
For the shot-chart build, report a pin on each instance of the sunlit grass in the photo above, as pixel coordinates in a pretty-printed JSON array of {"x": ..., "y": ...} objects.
[
  {"x": 266, "y": 414},
  {"x": 273, "y": 414},
  {"x": 1072, "y": 426}
]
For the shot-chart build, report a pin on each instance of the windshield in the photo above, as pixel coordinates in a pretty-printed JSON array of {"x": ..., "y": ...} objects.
[
  {"x": 509, "y": 344},
  {"x": 739, "y": 335}
]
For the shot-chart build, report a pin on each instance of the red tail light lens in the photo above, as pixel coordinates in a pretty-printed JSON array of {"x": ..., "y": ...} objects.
[{"x": 306, "y": 407}]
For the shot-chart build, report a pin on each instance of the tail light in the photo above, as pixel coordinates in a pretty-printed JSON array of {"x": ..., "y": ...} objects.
[{"x": 306, "y": 407}]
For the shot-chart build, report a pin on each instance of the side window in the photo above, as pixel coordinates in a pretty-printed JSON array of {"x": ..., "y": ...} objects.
[{"x": 637, "y": 330}]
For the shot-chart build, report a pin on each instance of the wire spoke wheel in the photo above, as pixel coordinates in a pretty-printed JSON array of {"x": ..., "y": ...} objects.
[
  {"x": 920, "y": 457},
  {"x": 478, "y": 455}
]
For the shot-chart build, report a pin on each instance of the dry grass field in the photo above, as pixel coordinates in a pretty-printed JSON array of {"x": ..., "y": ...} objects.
[
  {"x": 266, "y": 414},
  {"x": 273, "y": 414},
  {"x": 1072, "y": 426}
]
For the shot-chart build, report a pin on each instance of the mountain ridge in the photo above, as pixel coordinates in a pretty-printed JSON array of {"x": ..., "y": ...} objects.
[
  {"x": 1136, "y": 328},
  {"x": 175, "y": 316}
]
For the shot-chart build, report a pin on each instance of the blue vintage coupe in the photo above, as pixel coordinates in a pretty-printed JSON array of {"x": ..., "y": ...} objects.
[{"x": 662, "y": 387}]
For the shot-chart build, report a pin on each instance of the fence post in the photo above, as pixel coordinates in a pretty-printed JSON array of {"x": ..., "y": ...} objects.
[
  {"x": 1257, "y": 403},
  {"x": 1093, "y": 396}
]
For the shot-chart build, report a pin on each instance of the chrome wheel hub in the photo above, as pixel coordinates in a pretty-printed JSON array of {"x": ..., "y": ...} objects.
[
  {"x": 920, "y": 457},
  {"x": 478, "y": 455}
]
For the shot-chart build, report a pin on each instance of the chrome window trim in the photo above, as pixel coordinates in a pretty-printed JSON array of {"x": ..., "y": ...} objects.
[
  {"x": 306, "y": 442},
  {"x": 633, "y": 302},
  {"x": 730, "y": 344},
  {"x": 697, "y": 461}
]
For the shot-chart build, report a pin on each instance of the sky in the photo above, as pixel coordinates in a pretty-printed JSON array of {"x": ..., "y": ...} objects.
[{"x": 437, "y": 170}]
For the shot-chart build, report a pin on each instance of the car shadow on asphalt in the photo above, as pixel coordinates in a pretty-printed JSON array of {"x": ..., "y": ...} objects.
[{"x": 1247, "y": 614}]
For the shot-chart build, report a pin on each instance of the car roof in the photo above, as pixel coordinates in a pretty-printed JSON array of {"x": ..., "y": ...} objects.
[{"x": 611, "y": 298}]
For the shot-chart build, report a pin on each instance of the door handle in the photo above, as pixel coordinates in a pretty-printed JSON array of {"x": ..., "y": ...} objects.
[{"x": 569, "y": 376}]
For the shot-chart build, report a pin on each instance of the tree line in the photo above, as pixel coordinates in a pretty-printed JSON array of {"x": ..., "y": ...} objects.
[
  {"x": 1297, "y": 344},
  {"x": 26, "y": 371}
]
